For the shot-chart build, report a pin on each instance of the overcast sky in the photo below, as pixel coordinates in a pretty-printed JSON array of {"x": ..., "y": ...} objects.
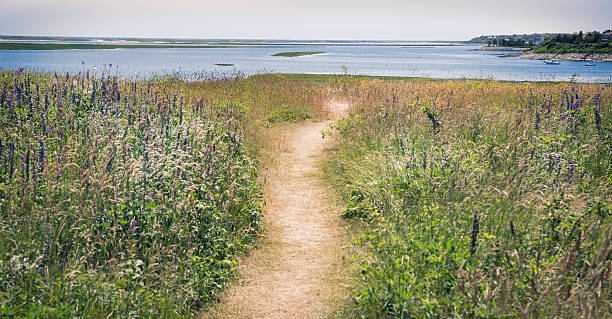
[{"x": 301, "y": 19}]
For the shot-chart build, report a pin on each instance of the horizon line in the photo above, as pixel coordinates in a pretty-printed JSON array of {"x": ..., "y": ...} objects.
[{"x": 230, "y": 38}]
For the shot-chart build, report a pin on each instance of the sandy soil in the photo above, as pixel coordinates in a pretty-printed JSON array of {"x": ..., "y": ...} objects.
[{"x": 300, "y": 270}]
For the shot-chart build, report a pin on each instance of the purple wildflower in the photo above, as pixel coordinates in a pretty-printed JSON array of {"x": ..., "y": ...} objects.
[
  {"x": 407, "y": 165},
  {"x": 597, "y": 111},
  {"x": 41, "y": 154},
  {"x": 570, "y": 169},
  {"x": 12, "y": 156},
  {"x": 132, "y": 225}
]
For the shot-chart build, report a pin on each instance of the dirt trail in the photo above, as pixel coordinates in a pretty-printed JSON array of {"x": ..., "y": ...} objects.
[{"x": 298, "y": 272}]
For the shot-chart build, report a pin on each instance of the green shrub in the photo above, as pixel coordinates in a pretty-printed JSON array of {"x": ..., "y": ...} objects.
[{"x": 287, "y": 113}]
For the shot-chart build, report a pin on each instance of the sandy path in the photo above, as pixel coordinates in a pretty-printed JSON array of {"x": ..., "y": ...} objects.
[{"x": 299, "y": 271}]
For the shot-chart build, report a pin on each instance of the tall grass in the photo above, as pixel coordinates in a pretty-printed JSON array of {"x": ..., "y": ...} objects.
[
  {"x": 482, "y": 199},
  {"x": 123, "y": 198}
]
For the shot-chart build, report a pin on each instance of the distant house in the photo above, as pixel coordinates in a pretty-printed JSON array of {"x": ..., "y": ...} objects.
[{"x": 606, "y": 36}]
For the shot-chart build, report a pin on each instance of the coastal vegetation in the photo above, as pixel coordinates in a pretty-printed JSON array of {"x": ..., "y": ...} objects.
[
  {"x": 124, "y": 198},
  {"x": 593, "y": 42},
  {"x": 514, "y": 40},
  {"x": 590, "y": 42},
  {"x": 297, "y": 53},
  {"x": 467, "y": 198},
  {"x": 478, "y": 198}
]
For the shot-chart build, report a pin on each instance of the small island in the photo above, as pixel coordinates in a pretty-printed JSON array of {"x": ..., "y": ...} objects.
[
  {"x": 224, "y": 64},
  {"x": 297, "y": 53}
]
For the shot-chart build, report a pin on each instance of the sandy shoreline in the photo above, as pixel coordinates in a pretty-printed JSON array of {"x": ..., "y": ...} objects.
[
  {"x": 597, "y": 57},
  {"x": 592, "y": 57}
]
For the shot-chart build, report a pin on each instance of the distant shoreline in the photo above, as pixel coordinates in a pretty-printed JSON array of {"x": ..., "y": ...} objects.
[
  {"x": 591, "y": 57},
  {"x": 488, "y": 48},
  {"x": 523, "y": 53}
]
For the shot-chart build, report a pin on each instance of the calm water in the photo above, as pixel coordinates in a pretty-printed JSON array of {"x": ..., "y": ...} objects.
[{"x": 457, "y": 61}]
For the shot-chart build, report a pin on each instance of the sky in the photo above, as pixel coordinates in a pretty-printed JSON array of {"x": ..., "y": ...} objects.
[{"x": 301, "y": 19}]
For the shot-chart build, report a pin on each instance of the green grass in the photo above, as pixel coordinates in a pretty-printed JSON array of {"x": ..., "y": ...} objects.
[
  {"x": 481, "y": 198},
  {"x": 286, "y": 113},
  {"x": 297, "y": 53}
]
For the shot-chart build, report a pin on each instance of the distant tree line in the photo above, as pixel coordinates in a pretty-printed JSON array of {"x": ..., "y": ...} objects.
[
  {"x": 514, "y": 40},
  {"x": 578, "y": 42},
  {"x": 590, "y": 42}
]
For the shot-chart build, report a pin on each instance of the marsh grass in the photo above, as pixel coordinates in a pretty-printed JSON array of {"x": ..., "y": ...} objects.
[
  {"x": 123, "y": 198},
  {"x": 482, "y": 199}
]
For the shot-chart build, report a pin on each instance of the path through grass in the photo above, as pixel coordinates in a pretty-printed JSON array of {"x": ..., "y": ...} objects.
[{"x": 299, "y": 271}]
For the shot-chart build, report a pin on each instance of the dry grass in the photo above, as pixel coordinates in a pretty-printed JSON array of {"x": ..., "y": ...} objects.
[{"x": 482, "y": 198}]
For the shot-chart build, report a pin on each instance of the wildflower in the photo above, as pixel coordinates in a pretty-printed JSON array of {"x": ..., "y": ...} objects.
[
  {"x": 475, "y": 231},
  {"x": 12, "y": 156},
  {"x": 570, "y": 169},
  {"x": 597, "y": 111},
  {"x": 132, "y": 225},
  {"x": 407, "y": 165},
  {"x": 41, "y": 154},
  {"x": 27, "y": 166}
]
